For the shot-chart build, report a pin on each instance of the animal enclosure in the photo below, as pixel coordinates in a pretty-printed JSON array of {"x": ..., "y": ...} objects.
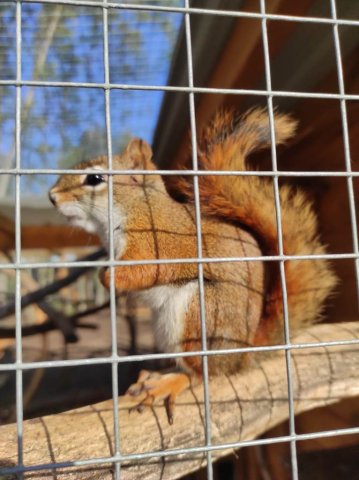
[{"x": 78, "y": 79}]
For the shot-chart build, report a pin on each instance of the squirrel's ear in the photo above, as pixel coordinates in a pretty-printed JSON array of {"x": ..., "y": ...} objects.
[{"x": 140, "y": 154}]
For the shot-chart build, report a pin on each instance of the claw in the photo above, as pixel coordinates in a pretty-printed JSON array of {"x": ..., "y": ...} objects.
[
  {"x": 137, "y": 388},
  {"x": 155, "y": 386},
  {"x": 134, "y": 390},
  {"x": 170, "y": 406}
]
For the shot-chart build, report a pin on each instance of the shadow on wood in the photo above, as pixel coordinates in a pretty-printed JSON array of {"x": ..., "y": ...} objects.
[{"x": 243, "y": 407}]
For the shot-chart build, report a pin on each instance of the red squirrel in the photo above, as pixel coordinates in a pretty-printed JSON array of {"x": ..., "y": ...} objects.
[{"x": 243, "y": 299}]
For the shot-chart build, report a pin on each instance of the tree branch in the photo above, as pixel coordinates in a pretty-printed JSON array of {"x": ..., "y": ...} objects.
[
  {"x": 51, "y": 324},
  {"x": 243, "y": 407},
  {"x": 41, "y": 293},
  {"x": 39, "y": 63}
]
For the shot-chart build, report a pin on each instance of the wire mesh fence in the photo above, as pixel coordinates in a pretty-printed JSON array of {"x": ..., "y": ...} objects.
[{"x": 108, "y": 87}]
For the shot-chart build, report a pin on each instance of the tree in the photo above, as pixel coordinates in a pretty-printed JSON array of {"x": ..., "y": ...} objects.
[
  {"x": 92, "y": 144},
  {"x": 60, "y": 126}
]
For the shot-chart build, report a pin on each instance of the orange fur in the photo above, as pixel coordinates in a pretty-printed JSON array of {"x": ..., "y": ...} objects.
[
  {"x": 238, "y": 220},
  {"x": 249, "y": 201}
]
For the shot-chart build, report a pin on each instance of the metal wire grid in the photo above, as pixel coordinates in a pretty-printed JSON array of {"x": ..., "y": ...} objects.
[
  {"x": 293, "y": 446},
  {"x": 343, "y": 110},
  {"x": 191, "y": 10},
  {"x": 111, "y": 249},
  {"x": 227, "y": 91},
  {"x": 114, "y": 359},
  {"x": 199, "y": 245},
  {"x": 19, "y": 374}
]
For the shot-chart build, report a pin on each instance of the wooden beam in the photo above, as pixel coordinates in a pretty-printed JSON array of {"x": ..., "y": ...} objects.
[
  {"x": 243, "y": 407},
  {"x": 319, "y": 143},
  {"x": 242, "y": 62},
  {"x": 7, "y": 233},
  {"x": 51, "y": 237},
  {"x": 48, "y": 237},
  {"x": 319, "y": 147}
]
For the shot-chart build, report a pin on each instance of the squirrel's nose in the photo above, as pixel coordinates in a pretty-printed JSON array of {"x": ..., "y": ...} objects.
[{"x": 52, "y": 197}]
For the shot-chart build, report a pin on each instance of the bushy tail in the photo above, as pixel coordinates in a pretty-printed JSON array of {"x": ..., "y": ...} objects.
[{"x": 249, "y": 201}]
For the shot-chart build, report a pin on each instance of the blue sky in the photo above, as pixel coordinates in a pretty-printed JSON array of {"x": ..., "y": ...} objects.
[{"x": 140, "y": 46}]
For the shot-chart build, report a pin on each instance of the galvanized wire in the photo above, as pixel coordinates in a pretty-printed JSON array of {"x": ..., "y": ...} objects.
[
  {"x": 183, "y": 451},
  {"x": 199, "y": 246},
  {"x": 118, "y": 263},
  {"x": 189, "y": 172},
  {"x": 196, "y": 11},
  {"x": 344, "y": 116},
  {"x": 226, "y": 91},
  {"x": 111, "y": 246},
  {"x": 114, "y": 359},
  {"x": 267, "y": 68},
  {"x": 6, "y": 367},
  {"x": 18, "y": 326}
]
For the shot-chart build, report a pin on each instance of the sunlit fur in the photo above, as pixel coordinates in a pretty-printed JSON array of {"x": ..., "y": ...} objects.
[
  {"x": 243, "y": 299},
  {"x": 249, "y": 200}
]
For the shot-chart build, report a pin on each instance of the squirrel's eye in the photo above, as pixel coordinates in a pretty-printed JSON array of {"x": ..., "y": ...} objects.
[{"x": 94, "y": 179}]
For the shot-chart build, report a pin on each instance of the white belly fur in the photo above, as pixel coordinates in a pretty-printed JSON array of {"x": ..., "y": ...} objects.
[{"x": 170, "y": 304}]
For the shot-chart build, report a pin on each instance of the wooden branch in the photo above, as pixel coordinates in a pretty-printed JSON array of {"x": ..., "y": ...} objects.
[
  {"x": 41, "y": 293},
  {"x": 50, "y": 324},
  {"x": 7, "y": 233},
  {"x": 61, "y": 321},
  {"x": 40, "y": 57},
  {"x": 243, "y": 407},
  {"x": 45, "y": 327},
  {"x": 53, "y": 318}
]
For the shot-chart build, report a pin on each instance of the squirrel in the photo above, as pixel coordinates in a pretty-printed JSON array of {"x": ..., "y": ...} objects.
[{"x": 154, "y": 218}]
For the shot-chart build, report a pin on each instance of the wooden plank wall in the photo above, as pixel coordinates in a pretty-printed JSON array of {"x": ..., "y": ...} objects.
[{"x": 318, "y": 144}]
